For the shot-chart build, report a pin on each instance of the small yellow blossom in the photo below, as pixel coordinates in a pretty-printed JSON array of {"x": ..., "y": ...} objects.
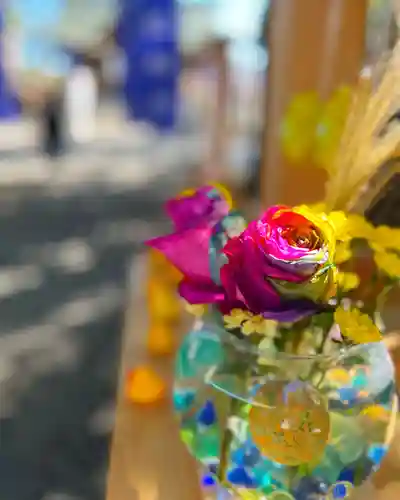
[
  {"x": 356, "y": 326},
  {"x": 236, "y": 318},
  {"x": 389, "y": 263},
  {"x": 343, "y": 253},
  {"x": 258, "y": 324},
  {"x": 197, "y": 310},
  {"x": 348, "y": 281}
]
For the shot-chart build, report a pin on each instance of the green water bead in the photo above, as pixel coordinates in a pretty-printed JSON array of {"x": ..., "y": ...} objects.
[
  {"x": 329, "y": 466},
  {"x": 206, "y": 444},
  {"x": 346, "y": 438}
]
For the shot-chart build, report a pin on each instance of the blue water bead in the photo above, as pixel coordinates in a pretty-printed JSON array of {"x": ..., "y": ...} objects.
[
  {"x": 208, "y": 480},
  {"x": 240, "y": 477},
  {"x": 376, "y": 453},
  {"x": 340, "y": 490},
  {"x": 246, "y": 456},
  {"x": 348, "y": 395},
  {"x": 183, "y": 400},
  {"x": 207, "y": 415}
]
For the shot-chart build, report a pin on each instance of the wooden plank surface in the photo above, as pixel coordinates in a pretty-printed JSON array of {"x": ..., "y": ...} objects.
[{"x": 148, "y": 461}]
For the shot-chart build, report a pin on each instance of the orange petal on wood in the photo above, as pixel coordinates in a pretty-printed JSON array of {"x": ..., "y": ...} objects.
[
  {"x": 144, "y": 386},
  {"x": 161, "y": 341}
]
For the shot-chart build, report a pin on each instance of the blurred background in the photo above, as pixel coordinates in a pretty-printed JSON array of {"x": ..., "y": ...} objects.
[{"x": 108, "y": 107}]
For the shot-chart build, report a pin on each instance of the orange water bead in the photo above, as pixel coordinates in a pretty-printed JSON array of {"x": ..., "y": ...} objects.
[
  {"x": 292, "y": 431},
  {"x": 144, "y": 386},
  {"x": 161, "y": 340},
  {"x": 163, "y": 302}
]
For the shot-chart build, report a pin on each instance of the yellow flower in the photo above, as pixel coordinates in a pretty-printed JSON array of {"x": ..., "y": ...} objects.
[
  {"x": 389, "y": 263},
  {"x": 343, "y": 253},
  {"x": 299, "y": 125},
  {"x": 197, "y": 310},
  {"x": 330, "y": 127},
  {"x": 258, "y": 324},
  {"x": 236, "y": 318},
  {"x": 348, "y": 281},
  {"x": 385, "y": 237},
  {"x": 356, "y": 326},
  {"x": 358, "y": 227}
]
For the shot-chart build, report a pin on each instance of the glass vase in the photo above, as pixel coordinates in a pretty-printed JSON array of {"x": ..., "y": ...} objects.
[{"x": 265, "y": 424}]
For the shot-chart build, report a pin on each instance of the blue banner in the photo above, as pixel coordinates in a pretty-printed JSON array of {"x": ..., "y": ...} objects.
[
  {"x": 9, "y": 106},
  {"x": 147, "y": 33}
]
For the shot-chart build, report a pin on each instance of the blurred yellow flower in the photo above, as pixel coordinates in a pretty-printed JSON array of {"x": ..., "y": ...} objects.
[
  {"x": 389, "y": 263},
  {"x": 356, "y": 326},
  {"x": 197, "y": 310},
  {"x": 348, "y": 281},
  {"x": 343, "y": 253},
  {"x": 299, "y": 125},
  {"x": 330, "y": 127},
  {"x": 236, "y": 318},
  {"x": 385, "y": 237},
  {"x": 313, "y": 128},
  {"x": 358, "y": 227}
]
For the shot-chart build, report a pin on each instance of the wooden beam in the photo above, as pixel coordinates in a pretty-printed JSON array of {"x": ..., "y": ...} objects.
[{"x": 314, "y": 45}]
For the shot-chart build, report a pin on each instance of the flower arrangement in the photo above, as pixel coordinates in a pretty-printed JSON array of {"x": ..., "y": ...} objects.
[
  {"x": 288, "y": 267},
  {"x": 284, "y": 388}
]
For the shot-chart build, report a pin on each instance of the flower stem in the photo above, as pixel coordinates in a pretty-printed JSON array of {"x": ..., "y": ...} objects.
[{"x": 227, "y": 438}]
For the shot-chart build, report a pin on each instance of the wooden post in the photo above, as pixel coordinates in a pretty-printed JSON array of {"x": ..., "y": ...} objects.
[{"x": 314, "y": 45}]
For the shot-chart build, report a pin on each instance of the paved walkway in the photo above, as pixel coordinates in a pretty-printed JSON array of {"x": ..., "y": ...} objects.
[{"x": 68, "y": 239}]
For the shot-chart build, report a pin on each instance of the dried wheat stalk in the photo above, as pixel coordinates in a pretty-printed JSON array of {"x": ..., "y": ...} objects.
[{"x": 365, "y": 143}]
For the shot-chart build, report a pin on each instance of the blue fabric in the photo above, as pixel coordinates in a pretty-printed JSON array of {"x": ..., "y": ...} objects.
[
  {"x": 147, "y": 33},
  {"x": 9, "y": 106}
]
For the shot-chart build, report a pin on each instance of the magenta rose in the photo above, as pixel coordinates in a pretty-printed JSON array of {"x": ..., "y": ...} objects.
[{"x": 280, "y": 266}]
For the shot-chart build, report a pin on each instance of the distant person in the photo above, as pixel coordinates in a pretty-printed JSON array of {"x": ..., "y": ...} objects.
[
  {"x": 53, "y": 125},
  {"x": 82, "y": 102}
]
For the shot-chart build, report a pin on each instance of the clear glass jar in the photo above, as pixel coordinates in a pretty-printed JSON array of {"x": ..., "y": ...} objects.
[{"x": 271, "y": 425}]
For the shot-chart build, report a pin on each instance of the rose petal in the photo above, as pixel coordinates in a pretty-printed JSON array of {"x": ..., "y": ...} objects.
[
  {"x": 187, "y": 251},
  {"x": 243, "y": 281},
  {"x": 201, "y": 293},
  {"x": 199, "y": 209}
]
